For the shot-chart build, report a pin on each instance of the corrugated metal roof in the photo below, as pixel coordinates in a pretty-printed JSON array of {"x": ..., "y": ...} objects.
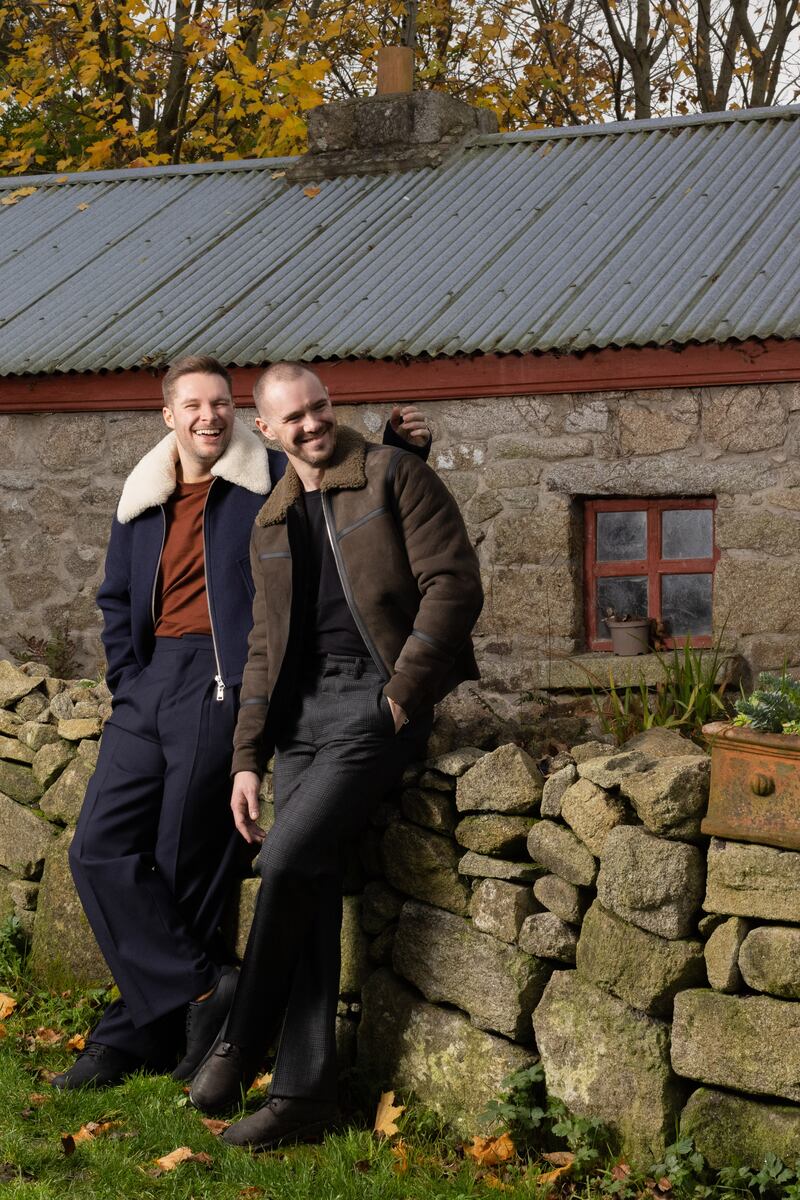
[{"x": 646, "y": 232}]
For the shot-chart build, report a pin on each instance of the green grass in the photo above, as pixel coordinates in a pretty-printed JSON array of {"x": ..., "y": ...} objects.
[
  {"x": 153, "y": 1118},
  {"x": 425, "y": 1161}
]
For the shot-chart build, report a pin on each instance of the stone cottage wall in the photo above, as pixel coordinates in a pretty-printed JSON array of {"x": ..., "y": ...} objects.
[
  {"x": 519, "y": 467},
  {"x": 494, "y": 915}
]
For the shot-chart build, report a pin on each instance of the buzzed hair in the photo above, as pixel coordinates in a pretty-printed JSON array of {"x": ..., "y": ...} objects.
[
  {"x": 191, "y": 364},
  {"x": 281, "y": 372}
]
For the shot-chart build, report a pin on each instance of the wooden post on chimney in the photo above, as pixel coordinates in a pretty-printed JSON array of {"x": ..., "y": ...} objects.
[{"x": 395, "y": 69}]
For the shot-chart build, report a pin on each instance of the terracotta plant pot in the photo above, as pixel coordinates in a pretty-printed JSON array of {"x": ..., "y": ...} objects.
[
  {"x": 630, "y": 637},
  {"x": 755, "y": 786}
]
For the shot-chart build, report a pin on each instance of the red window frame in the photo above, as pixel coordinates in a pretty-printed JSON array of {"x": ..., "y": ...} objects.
[{"x": 654, "y": 566}]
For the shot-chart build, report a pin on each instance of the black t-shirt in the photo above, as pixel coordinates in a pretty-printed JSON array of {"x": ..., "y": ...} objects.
[{"x": 329, "y": 626}]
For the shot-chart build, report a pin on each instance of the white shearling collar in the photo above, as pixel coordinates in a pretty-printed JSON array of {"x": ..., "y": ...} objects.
[{"x": 152, "y": 481}]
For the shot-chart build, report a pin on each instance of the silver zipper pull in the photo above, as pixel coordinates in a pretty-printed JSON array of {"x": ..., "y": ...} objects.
[{"x": 220, "y": 682}]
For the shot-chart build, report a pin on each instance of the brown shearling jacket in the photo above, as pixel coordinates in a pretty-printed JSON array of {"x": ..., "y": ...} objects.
[{"x": 409, "y": 573}]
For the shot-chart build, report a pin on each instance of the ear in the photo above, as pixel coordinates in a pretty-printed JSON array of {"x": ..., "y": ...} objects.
[
  {"x": 169, "y": 419},
  {"x": 265, "y": 429}
]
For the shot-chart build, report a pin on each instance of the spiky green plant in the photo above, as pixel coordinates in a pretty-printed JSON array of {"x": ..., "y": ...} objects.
[{"x": 774, "y": 706}]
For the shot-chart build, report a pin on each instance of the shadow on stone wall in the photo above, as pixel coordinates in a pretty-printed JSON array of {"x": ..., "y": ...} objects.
[{"x": 494, "y": 915}]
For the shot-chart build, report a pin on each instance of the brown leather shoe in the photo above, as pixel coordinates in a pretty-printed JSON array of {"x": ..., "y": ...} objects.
[
  {"x": 281, "y": 1120},
  {"x": 224, "y": 1078}
]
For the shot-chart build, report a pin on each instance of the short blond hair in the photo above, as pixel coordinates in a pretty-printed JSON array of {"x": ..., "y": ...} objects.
[{"x": 281, "y": 372}]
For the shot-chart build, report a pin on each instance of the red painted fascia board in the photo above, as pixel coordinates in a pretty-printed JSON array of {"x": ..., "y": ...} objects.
[{"x": 364, "y": 381}]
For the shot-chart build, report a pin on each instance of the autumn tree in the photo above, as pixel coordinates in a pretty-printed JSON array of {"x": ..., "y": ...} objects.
[{"x": 108, "y": 83}]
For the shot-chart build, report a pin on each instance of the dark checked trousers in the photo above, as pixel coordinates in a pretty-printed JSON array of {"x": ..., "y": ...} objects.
[
  {"x": 155, "y": 850},
  {"x": 337, "y": 756}
]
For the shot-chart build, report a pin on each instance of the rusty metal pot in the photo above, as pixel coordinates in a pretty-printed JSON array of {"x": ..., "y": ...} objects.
[{"x": 755, "y": 786}]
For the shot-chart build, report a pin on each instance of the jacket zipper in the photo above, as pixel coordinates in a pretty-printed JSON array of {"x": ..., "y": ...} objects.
[
  {"x": 158, "y": 565},
  {"x": 327, "y": 512},
  {"x": 218, "y": 680}
]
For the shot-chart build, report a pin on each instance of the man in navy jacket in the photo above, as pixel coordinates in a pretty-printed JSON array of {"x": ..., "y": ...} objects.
[{"x": 155, "y": 849}]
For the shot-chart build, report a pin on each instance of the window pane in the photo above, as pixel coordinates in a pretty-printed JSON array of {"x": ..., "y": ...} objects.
[
  {"x": 686, "y": 604},
  {"x": 627, "y": 594},
  {"x": 687, "y": 533},
  {"x": 621, "y": 536}
]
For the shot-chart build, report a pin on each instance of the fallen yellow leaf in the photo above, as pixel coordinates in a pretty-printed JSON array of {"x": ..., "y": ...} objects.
[
  {"x": 387, "y": 1114},
  {"x": 61, "y": 179},
  {"x": 7, "y": 1005},
  {"x": 262, "y": 1082},
  {"x": 489, "y": 1151},
  {"x": 47, "y": 1037},
  {"x": 311, "y": 191},
  {"x": 214, "y": 1125},
  {"x": 183, "y": 1154},
  {"x": 86, "y": 1133},
  {"x": 17, "y": 195},
  {"x": 77, "y": 1042},
  {"x": 491, "y": 1181},
  {"x": 82, "y": 207},
  {"x": 400, "y": 1151},
  {"x": 562, "y": 1160},
  {"x": 3, "y": 1031}
]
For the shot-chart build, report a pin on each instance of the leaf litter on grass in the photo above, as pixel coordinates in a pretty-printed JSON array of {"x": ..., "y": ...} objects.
[
  {"x": 183, "y": 1154},
  {"x": 386, "y": 1115},
  {"x": 87, "y": 1133}
]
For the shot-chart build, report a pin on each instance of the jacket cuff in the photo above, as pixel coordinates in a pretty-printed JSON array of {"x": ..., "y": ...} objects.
[
  {"x": 392, "y": 438},
  {"x": 246, "y": 759},
  {"x": 405, "y": 693}
]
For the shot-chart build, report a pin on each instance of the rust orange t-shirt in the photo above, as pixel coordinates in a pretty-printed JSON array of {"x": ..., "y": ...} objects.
[{"x": 181, "y": 601}]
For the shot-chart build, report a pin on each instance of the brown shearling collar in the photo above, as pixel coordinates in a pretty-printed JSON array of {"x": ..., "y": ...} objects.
[{"x": 345, "y": 470}]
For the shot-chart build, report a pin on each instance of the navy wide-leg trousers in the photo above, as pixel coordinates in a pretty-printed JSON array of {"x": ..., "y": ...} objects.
[
  {"x": 155, "y": 849},
  {"x": 337, "y": 755}
]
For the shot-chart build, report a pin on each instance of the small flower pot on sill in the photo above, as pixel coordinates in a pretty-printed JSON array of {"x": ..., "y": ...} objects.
[
  {"x": 755, "y": 786},
  {"x": 630, "y": 637}
]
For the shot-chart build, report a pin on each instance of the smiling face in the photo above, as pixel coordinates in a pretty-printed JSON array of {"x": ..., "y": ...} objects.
[
  {"x": 201, "y": 413},
  {"x": 298, "y": 415}
]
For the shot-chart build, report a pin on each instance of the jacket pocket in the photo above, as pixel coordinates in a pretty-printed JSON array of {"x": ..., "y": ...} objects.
[
  {"x": 244, "y": 567},
  {"x": 385, "y": 711}
]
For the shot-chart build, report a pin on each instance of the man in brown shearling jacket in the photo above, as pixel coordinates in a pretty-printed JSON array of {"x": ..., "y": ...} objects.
[{"x": 367, "y": 589}]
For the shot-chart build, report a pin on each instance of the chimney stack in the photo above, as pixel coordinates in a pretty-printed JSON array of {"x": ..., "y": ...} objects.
[
  {"x": 396, "y": 130},
  {"x": 395, "y": 70}
]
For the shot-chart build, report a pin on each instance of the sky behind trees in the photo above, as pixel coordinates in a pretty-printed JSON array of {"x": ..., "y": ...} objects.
[{"x": 87, "y": 84}]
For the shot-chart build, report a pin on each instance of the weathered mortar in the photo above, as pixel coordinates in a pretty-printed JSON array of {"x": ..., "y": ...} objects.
[{"x": 516, "y": 465}]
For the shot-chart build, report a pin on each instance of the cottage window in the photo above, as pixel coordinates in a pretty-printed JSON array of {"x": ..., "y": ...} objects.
[{"x": 650, "y": 558}]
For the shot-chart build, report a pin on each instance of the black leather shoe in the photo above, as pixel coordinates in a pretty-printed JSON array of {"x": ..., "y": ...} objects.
[
  {"x": 98, "y": 1066},
  {"x": 283, "y": 1119},
  {"x": 205, "y": 1021},
  {"x": 224, "y": 1078}
]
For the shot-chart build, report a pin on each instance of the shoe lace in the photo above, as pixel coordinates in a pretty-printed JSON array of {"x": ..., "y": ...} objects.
[{"x": 93, "y": 1050}]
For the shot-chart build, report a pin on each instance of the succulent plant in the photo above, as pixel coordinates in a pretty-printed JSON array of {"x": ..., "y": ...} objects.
[{"x": 774, "y": 706}]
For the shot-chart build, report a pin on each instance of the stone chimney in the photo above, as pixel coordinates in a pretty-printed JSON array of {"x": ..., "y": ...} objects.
[{"x": 391, "y": 131}]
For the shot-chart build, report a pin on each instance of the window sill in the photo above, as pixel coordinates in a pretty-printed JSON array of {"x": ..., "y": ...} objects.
[{"x": 582, "y": 672}]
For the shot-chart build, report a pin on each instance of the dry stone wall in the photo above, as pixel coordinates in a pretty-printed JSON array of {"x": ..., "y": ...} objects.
[
  {"x": 518, "y": 466},
  {"x": 622, "y": 948},
  {"x": 495, "y": 915}
]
